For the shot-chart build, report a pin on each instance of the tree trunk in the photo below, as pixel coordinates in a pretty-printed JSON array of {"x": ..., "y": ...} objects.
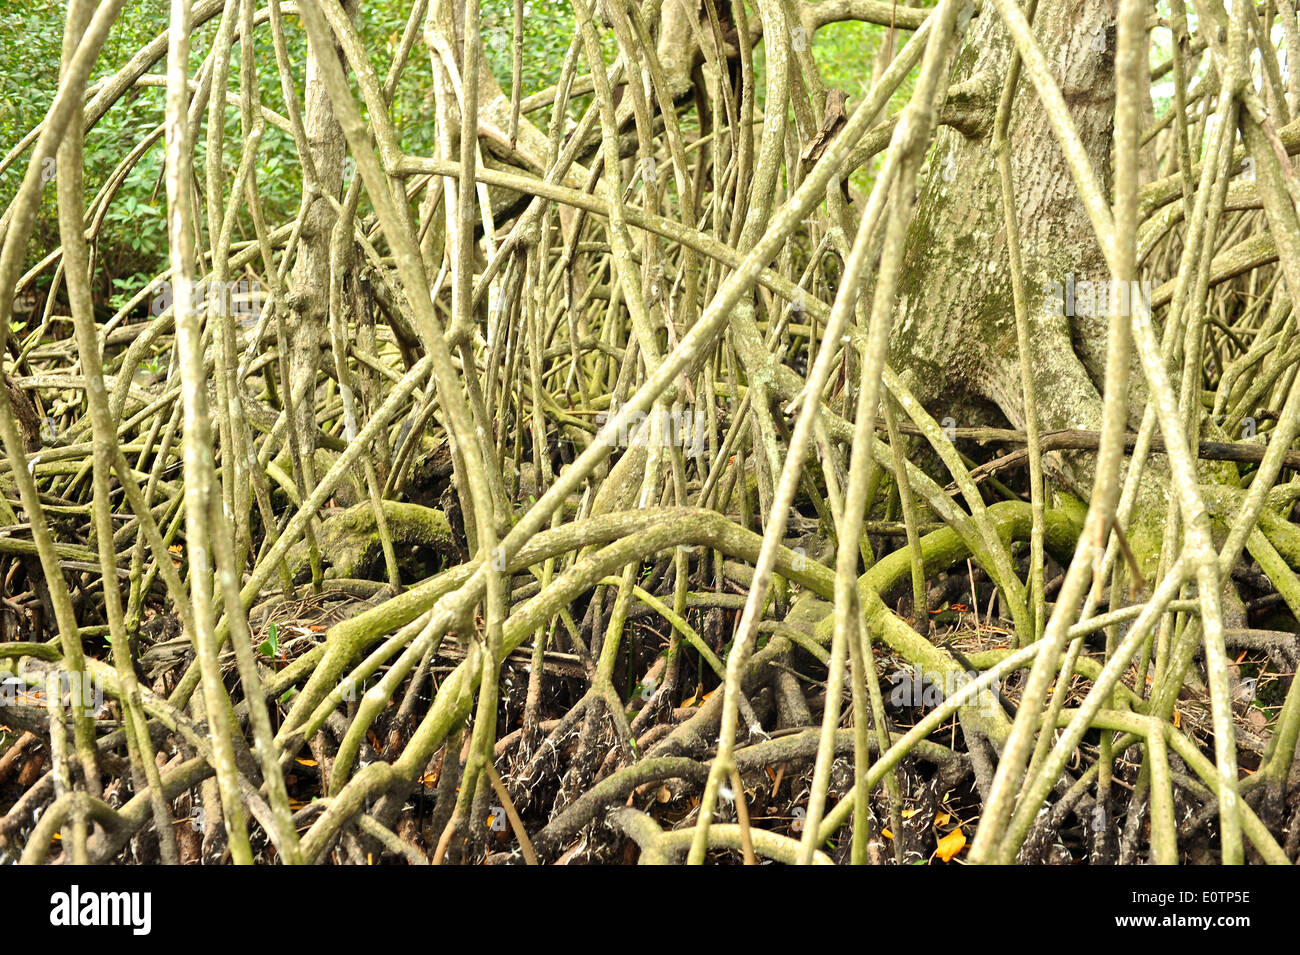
[
  {"x": 955, "y": 336},
  {"x": 308, "y": 320},
  {"x": 957, "y": 323}
]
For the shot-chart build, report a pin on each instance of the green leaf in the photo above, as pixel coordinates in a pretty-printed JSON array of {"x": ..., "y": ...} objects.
[{"x": 271, "y": 645}]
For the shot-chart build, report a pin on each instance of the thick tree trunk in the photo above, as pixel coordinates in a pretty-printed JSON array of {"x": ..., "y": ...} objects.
[{"x": 955, "y": 336}]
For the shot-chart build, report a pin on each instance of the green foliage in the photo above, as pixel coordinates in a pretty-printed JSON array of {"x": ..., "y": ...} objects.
[
  {"x": 548, "y": 30},
  {"x": 270, "y": 647},
  {"x": 845, "y": 53},
  {"x": 131, "y": 245},
  {"x": 132, "y": 240}
]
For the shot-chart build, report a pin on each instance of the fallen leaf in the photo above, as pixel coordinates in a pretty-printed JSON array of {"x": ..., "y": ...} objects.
[
  {"x": 942, "y": 819},
  {"x": 950, "y": 845}
]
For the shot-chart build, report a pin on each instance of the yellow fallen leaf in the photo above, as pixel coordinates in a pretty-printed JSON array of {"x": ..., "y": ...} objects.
[
  {"x": 950, "y": 845},
  {"x": 306, "y": 762},
  {"x": 1178, "y": 720},
  {"x": 908, "y": 813},
  {"x": 942, "y": 819},
  {"x": 886, "y": 833}
]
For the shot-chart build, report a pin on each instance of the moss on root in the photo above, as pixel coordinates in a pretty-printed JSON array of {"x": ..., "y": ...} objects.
[{"x": 350, "y": 545}]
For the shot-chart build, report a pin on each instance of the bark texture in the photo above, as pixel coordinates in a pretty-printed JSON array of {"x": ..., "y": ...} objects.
[{"x": 955, "y": 336}]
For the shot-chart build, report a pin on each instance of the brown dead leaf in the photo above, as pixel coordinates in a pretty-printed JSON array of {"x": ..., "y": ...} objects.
[{"x": 835, "y": 118}]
